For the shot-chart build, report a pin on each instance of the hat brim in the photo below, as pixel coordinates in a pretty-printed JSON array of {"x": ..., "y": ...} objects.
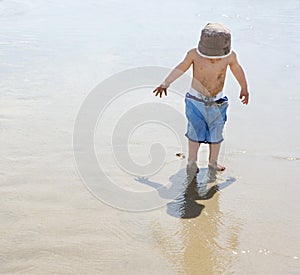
[{"x": 213, "y": 56}]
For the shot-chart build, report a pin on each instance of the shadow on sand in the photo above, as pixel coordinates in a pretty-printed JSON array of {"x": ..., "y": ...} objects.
[{"x": 187, "y": 190}]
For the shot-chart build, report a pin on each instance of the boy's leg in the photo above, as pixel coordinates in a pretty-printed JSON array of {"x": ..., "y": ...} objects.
[
  {"x": 192, "y": 168},
  {"x": 214, "y": 150},
  {"x": 193, "y": 151}
]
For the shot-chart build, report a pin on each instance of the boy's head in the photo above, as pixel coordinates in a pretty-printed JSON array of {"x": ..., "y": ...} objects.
[{"x": 215, "y": 41}]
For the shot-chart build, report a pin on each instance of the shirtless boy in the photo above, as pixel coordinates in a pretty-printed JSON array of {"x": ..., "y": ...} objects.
[{"x": 206, "y": 104}]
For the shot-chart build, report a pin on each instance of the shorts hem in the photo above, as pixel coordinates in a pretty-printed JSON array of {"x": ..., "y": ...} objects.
[{"x": 204, "y": 141}]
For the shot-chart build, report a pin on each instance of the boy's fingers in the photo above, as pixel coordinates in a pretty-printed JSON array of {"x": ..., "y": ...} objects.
[
  {"x": 159, "y": 91},
  {"x": 156, "y": 89},
  {"x": 245, "y": 100}
]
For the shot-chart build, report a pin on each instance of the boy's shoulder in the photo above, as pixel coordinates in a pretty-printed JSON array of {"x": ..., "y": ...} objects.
[
  {"x": 232, "y": 58},
  {"x": 192, "y": 52}
]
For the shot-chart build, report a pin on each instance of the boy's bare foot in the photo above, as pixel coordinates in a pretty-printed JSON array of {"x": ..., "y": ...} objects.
[
  {"x": 217, "y": 167},
  {"x": 192, "y": 167},
  {"x": 191, "y": 174},
  {"x": 191, "y": 171},
  {"x": 213, "y": 171}
]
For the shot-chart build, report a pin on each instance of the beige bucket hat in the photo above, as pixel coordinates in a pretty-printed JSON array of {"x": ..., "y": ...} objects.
[{"x": 215, "y": 41}]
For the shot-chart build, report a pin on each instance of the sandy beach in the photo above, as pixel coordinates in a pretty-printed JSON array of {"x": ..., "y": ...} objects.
[{"x": 54, "y": 219}]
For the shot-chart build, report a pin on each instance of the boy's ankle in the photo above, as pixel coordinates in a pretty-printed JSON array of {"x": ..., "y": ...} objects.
[
  {"x": 191, "y": 163},
  {"x": 192, "y": 167},
  {"x": 213, "y": 163}
]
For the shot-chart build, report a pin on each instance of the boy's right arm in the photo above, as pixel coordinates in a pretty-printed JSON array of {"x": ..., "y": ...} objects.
[{"x": 179, "y": 70}]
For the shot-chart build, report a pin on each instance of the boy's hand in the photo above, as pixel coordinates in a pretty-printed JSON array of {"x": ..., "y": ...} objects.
[
  {"x": 244, "y": 96},
  {"x": 160, "y": 90}
]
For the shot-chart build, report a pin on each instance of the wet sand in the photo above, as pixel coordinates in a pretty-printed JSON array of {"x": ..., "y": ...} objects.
[{"x": 53, "y": 54}]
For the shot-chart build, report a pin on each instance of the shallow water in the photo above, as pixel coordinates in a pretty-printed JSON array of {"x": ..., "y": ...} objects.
[{"x": 53, "y": 53}]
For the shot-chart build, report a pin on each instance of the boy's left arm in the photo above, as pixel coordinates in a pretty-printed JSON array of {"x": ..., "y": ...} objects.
[{"x": 239, "y": 74}]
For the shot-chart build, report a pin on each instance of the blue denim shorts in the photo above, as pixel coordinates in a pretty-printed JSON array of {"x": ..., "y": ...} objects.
[{"x": 205, "y": 120}]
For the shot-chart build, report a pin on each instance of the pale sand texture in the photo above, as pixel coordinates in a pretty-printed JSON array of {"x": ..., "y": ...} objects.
[{"x": 52, "y": 53}]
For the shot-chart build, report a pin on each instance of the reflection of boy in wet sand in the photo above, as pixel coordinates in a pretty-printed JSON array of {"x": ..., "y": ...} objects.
[{"x": 206, "y": 104}]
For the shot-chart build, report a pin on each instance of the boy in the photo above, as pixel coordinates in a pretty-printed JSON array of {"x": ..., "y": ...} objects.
[{"x": 206, "y": 105}]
